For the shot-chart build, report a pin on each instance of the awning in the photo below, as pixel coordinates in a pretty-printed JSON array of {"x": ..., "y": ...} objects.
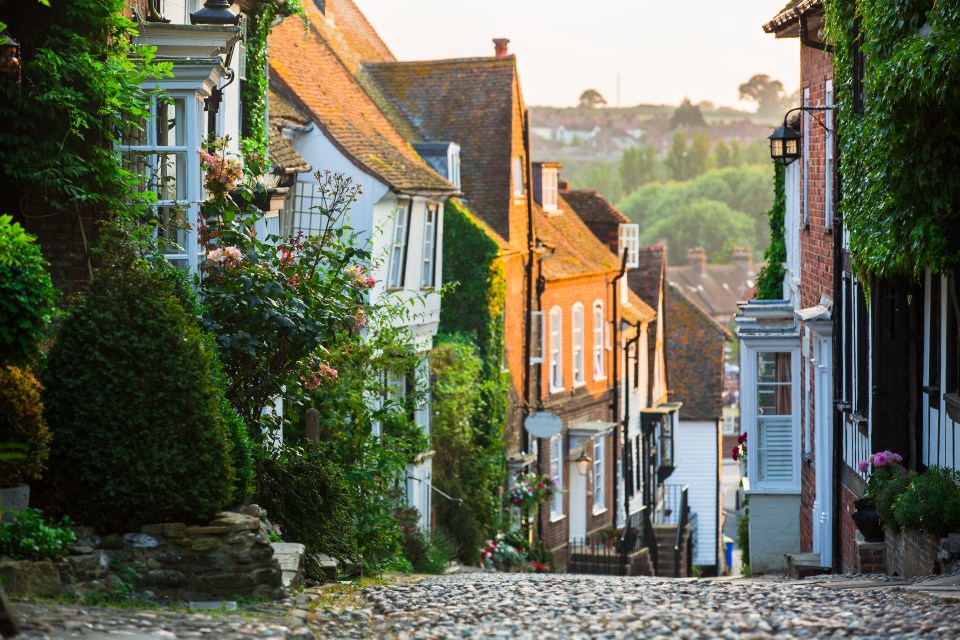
[{"x": 590, "y": 428}]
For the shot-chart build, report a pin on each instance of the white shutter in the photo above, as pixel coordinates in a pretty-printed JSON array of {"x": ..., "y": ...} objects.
[{"x": 775, "y": 454}]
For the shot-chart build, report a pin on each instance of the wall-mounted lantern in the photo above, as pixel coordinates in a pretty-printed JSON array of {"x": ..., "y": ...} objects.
[
  {"x": 583, "y": 462},
  {"x": 785, "y": 141},
  {"x": 215, "y": 12}
]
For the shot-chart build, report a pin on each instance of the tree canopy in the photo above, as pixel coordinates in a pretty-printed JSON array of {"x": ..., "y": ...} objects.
[{"x": 591, "y": 98}]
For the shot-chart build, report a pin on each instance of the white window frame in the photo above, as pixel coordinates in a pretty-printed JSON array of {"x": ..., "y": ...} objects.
[
  {"x": 576, "y": 348},
  {"x": 828, "y": 166},
  {"x": 453, "y": 164},
  {"x": 599, "y": 476},
  {"x": 555, "y": 339},
  {"x": 189, "y": 187},
  {"x": 398, "y": 246},
  {"x": 599, "y": 322},
  {"x": 549, "y": 188},
  {"x": 752, "y": 418},
  {"x": 556, "y": 472},
  {"x": 805, "y": 119},
  {"x": 517, "y": 177},
  {"x": 431, "y": 220},
  {"x": 628, "y": 238}
]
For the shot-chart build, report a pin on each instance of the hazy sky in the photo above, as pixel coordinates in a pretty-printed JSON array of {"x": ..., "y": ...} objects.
[{"x": 664, "y": 50}]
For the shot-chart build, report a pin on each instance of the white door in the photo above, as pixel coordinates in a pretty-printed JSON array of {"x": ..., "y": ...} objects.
[
  {"x": 578, "y": 503},
  {"x": 823, "y": 450}
]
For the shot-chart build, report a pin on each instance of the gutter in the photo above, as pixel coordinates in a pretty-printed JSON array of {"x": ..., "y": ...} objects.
[{"x": 806, "y": 40}]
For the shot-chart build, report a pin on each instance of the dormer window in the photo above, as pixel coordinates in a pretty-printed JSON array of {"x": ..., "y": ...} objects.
[
  {"x": 453, "y": 165},
  {"x": 549, "y": 185},
  {"x": 629, "y": 241}
]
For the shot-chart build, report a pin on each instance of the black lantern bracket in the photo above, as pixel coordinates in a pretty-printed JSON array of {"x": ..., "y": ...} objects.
[{"x": 785, "y": 140}]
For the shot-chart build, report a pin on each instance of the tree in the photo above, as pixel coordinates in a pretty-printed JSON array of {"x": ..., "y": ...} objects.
[
  {"x": 591, "y": 98},
  {"x": 687, "y": 115},
  {"x": 722, "y": 155},
  {"x": 700, "y": 159},
  {"x": 638, "y": 166},
  {"x": 766, "y": 92},
  {"x": 700, "y": 223}
]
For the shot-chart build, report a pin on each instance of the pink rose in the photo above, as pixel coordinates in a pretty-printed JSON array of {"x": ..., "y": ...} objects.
[{"x": 863, "y": 465}]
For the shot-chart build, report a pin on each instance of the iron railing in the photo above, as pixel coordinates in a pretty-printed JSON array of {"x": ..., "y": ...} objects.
[{"x": 611, "y": 552}]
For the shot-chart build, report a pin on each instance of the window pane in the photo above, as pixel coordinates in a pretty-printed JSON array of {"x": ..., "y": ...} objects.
[
  {"x": 170, "y": 124},
  {"x": 172, "y": 227}
]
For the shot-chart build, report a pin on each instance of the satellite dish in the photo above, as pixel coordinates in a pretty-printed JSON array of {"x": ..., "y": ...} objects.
[{"x": 543, "y": 424}]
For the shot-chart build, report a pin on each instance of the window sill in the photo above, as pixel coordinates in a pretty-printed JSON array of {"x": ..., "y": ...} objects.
[
  {"x": 556, "y": 389},
  {"x": 577, "y": 385},
  {"x": 556, "y": 517},
  {"x": 599, "y": 512},
  {"x": 599, "y": 378}
]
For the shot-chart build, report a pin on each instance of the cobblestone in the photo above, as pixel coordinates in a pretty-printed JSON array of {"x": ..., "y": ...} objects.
[{"x": 517, "y": 606}]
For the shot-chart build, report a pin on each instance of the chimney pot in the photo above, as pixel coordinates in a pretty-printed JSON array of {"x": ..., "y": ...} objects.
[
  {"x": 500, "y": 47},
  {"x": 697, "y": 258},
  {"x": 743, "y": 258}
]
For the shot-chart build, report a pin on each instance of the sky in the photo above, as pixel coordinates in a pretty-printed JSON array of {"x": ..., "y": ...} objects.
[{"x": 663, "y": 51}]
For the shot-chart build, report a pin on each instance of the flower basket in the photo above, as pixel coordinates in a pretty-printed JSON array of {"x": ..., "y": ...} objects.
[{"x": 530, "y": 490}]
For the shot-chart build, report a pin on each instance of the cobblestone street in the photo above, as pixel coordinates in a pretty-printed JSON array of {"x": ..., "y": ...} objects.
[{"x": 540, "y": 606}]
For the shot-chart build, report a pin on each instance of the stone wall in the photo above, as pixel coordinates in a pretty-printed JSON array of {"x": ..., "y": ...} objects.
[{"x": 870, "y": 557}]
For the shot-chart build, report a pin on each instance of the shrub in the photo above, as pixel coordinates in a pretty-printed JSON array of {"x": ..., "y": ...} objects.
[
  {"x": 305, "y": 493},
  {"x": 415, "y": 544},
  {"x": 28, "y": 537},
  {"x": 27, "y": 297},
  {"x": 22, "y": 425},
  {"x": 887, "y": 494},
  {"x": 924, "y": 505},
  {"x": 139, "y": 432}
]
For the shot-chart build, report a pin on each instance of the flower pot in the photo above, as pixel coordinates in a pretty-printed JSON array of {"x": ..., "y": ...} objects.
[
  {"x": 15, "y": 498},
  {"x": 867, "y": 521}
]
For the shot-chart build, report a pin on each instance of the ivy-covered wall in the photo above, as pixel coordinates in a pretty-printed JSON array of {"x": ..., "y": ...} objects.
[
  {"x": 469, "y": 463},
  {"x": 899, "y": 153},
  {"x": 770, "y": 278}
]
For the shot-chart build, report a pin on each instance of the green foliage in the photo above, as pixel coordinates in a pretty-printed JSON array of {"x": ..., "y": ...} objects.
[
  {"x": 683, "y": 212},
  {"x": 687, "y": 115},
  {"x": 139, "y": 435},
  {"x": 931, "y": 503},
  {"x": 27, "y": 297},
  {"x": 306, "y": 494},
  {"x": 638, "y": 166},
  {"x": 770, "y": 278},
  {"x": 80, "y": 77},
  {"x": 768, "y": 93},
  {"x": 887, "y": 491},
  {"x": 470, "y": 386},
  {"x": 743, "y": 537},
  {"x": 22, "y": 424},
  {"x": 27, "y": 537},
  {"x": 900, "y": 188},
  {"x": 253, "y": 90}
]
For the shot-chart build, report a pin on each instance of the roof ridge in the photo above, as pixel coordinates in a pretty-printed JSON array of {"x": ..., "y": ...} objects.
[{"x": 722, "y": 330}]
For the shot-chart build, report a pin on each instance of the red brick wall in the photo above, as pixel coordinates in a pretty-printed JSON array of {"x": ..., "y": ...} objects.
[
  {"x": 514, "y": 336},
  {"x": 816, "y": 258},
  {"x": 851, "y": 486},
  {"x": 64, "y": 240}
]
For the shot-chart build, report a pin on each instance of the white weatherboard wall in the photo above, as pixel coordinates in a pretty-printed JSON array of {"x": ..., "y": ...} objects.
[
  {"x": 697, "y": 455},
  {"x": 774, "y": 530}
]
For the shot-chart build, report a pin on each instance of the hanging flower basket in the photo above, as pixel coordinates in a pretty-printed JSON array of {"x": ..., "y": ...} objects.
[{"x": 530, "y": 490}]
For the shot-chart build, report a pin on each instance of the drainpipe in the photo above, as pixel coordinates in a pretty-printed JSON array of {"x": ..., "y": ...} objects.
[
  {"x": 616, "y": 372},
  {"x": 807, "y": 40},
  {"x": 626, "y": 420},
  {"x": 531, "y": 254},
  {"x": 837, "y": 342}
]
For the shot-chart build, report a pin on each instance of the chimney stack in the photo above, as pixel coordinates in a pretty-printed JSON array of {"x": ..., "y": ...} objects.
[
  {"x": 743, "y": 258},
  {"x": 500, "y": 47},
  {"x": 697, "y": 258},
  {"x": 563, "y": 186}
]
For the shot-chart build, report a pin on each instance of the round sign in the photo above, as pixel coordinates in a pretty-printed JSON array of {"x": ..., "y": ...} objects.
[{"x": 543, "y": 424}]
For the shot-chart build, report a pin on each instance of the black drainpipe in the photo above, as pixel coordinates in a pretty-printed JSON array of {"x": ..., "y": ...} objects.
[
  {"x": 805, "y": 38},
  {"x": 616, "y": 385},
  {"x": 837, "y": 343}
]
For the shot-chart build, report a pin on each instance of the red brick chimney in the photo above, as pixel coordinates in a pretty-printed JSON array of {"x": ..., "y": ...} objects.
[
  {"x": 697, "y": 258},
  {"x": 563, "y": 186},
  {"x": 743, "y": 258},
  {"x": 500, "y": 47}
]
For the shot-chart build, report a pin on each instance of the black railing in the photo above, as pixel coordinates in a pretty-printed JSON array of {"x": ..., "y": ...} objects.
[
  {"x": 669, "y": 498},
  {"x": 611, "y": 552},
  {"x": 682, "y": 521}
]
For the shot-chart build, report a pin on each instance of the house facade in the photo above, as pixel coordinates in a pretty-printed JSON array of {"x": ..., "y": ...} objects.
[{"x": 400, "y": 203}]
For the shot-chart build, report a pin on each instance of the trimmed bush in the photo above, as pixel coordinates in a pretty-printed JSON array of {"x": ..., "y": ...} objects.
[
  {"x": 22, "y": 425},
  {"x": 139, "y": 432},
  {"x": 887, "y": 493},
  {"x": 27, "y": 297}
]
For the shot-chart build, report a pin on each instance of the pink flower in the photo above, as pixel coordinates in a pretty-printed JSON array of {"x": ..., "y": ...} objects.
[
  {"x": 358, "y": 277},
  {"x": 285, "y": 256},
  {"x": 359, "y": 321},
  {"x": 880, "y": 459},
  {"x": 863, "y": 465}
]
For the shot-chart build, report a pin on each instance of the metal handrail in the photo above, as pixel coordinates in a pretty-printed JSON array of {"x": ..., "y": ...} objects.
[{"x": 681, "y": 527}]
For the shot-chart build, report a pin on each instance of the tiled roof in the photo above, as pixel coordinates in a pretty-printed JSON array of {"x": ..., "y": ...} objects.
[
  {"x": 788, "y": 17},
  {"x": 593, "y": 207},
  {"x": 637, "y": 310},
  {"x": 718, "y": 289},
  {"x": 695, "y": 351},
  {"x": 283, "y": 157},
  {"x": 308, "y": 72},
  {"x": 467, "y": 101},
  {"x": 349, "y": 34},
  {"x": 577, "y": 252}
]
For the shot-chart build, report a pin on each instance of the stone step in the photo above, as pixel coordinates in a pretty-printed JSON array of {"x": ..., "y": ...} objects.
[
  {"x": 290, "y": 556},
  {"x": 802, "y": 565}
]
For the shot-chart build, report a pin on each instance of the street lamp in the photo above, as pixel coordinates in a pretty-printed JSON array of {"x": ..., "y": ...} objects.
[
  {"x": 9, "y": 57},
  {"x": 785, "y": 141},
  {"x": 583, "y": 462}
]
